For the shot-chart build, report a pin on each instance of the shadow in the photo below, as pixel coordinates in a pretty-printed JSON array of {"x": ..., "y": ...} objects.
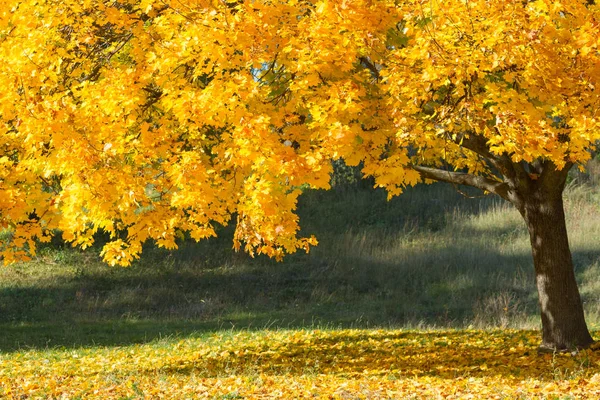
[
  {"x": 358, "y": 207},
  {"x": 100, "y": 311},
  {"x": 392, "y": 264}
]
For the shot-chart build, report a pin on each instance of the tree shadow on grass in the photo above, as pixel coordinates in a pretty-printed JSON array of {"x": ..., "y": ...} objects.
[
  {"x": 370, "y": 272},
  {"x": 120, "y": 310}
]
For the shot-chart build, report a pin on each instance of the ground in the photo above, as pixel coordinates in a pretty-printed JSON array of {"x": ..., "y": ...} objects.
[
  {"x": 430, "y": 295},
  {"x": 343, "y": 364}
]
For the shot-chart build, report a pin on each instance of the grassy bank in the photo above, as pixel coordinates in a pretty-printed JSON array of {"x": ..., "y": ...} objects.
[{"x": 429, "y": 258}]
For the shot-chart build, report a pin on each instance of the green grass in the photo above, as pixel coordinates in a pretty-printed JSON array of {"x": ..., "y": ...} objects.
[{"x": 429, "y": 258}]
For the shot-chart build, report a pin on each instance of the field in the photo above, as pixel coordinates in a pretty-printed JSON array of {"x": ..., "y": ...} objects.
[{"x": 429, "y": 295}]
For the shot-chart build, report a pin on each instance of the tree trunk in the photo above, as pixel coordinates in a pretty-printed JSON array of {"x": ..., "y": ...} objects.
[
  {"x": 536, "y": 191},
  {"x": 563, "y": 323}
]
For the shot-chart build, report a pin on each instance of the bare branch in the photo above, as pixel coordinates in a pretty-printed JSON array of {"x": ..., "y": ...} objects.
[
  {"x": 514, "y": 173},
  {"x": 461, "y": 178}
]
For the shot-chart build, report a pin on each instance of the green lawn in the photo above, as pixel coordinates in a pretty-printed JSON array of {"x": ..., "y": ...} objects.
[{"x": 431, "y": 258}]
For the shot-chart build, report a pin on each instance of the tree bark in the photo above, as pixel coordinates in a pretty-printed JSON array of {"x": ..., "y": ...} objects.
[
  {"x": 539, "y": 200},
  {"x": 563, "y": 322}
]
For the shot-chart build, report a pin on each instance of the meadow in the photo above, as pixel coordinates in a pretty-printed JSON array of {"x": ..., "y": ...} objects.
[{"x": 429, "y": 295}]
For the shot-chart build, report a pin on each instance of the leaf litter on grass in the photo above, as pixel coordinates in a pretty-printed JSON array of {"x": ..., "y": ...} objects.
[{"x": 370, "y": 364}]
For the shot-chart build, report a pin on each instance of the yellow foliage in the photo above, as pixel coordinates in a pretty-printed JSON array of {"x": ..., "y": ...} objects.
[{"x": 147, "y": 118}]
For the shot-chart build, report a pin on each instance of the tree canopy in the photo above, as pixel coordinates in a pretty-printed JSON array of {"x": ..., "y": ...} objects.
[{"x": 147, "y": 119}]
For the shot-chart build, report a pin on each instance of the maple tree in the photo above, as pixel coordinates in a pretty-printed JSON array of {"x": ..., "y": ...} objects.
[{"x": 150, "y": 118}]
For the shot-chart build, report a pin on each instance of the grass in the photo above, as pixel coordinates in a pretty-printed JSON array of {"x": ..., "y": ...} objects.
[
  {"x": 429, "y": 295},
  {"x": 429, "y": 258}
]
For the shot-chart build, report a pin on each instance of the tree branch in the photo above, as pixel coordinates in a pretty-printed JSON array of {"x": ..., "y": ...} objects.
[
  {"x": 514, "y": 173},
  {"x": 552, "y": 178},
  {"x": 461, "y": 178},
  {"x": 96, "y": 71},
  {"x": 371, "y": 67}
]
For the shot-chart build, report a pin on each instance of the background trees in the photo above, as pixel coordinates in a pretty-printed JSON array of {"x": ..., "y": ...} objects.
[{"x": 145, "y": 119}]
